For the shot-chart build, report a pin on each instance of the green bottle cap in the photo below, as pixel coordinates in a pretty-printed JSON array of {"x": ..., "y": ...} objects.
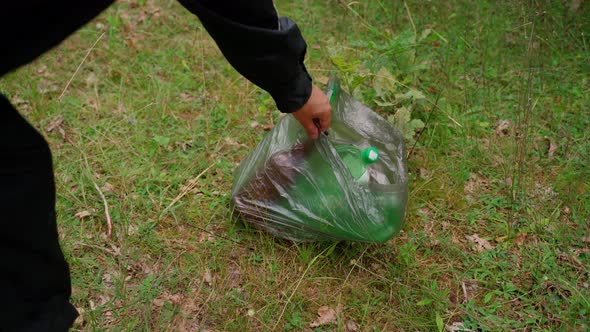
[{"x": 370, "y": 155}]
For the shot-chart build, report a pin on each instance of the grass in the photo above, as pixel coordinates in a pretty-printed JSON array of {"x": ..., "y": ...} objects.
[{"x": 154, "y": 104}]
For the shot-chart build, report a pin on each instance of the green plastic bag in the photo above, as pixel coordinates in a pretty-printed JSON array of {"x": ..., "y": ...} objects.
[{"x": 348, "y": 185}]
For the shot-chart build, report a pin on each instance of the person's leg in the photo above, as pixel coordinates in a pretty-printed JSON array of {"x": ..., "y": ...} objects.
[{"x": 34, "y": 277}]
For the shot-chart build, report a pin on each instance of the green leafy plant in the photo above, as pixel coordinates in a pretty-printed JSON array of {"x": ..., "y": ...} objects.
[{"x": 385, "y": 77}]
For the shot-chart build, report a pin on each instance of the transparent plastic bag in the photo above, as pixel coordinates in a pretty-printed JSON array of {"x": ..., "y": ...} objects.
[{"x": 303, "y": 190}]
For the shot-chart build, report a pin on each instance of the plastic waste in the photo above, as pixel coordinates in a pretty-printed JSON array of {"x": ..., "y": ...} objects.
[
  {"x": 348, "y": 185},
  {"x": 358, "y": 160}
]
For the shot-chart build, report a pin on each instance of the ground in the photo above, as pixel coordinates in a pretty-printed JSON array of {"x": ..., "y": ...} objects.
[{"x": 140, "y": 101}]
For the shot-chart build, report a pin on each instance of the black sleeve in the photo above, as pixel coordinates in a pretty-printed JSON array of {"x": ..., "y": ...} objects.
[{"x": 267, "y": 50}]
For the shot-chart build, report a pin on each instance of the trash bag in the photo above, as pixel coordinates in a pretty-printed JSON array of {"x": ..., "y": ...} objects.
[{"x": 350, "y": 184}]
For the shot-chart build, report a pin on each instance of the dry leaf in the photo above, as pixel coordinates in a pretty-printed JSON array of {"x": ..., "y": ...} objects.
[
  {"x": 42, "y": 70},
  {"x": 104, "y": 299},
  {"x": 503, "y": 128},
  {"x": 326, "y": 315},
  {"x": 352, "y": 326},
  {"x": 251, "y": 312},
  {"x": 175, "y": 298},
  {"x": 82, "y": 214},
  {"x": 46, "y": 86},
  {"x": 205, "y": 236},
  {"x": 552, "y": 148},
  {"x": 231, "y": 142},
  {"x": 476, "y": 183},
  {"x": 55, "y": 123},
  {"x": 207, "y": 278},
  {"x": 158, "y": 302},
  {"x": 91, "y": 79},
  {"x": 456, "y": 327},
  {"x": 254, "y": 124},
  {"x": 107, "y": 279},
  {"x": 132, "y": 229},
  {"x": 107, "y": 187},
  {"x": 480, "y": 244},
  {"x": 469, "y": 289},
  {"x": 575, "y": 5},
  {"x": 235, "y": 277},
  {"x": 424, "y": 173},
  {"x": 187, "y": 96},
  {"x": 509, "y": 181},
  {"x": 520, "y": 239}
]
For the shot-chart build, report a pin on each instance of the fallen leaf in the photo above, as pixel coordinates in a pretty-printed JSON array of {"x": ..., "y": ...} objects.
[
  {"x": 542, "y": 192},
  {"x": 456, "y": 327},
  {"x": 503, "y": 128},
  {"x": 175, "y": 298},
  {"x": 187, "y": 96},
  {"x": 575, "y": 5},
  {"x": 207, "y": 278},
  {"x": 424, "y": 173},
  {"x": 235, "y": 277},
  {"x": 469, "y": 289},
  {"x": 552, "y": 148},
  {"x": 91, "y": 79},
  {"x": 509, "y": 181},
  {"x": 352, "y": 326},
  {"x": 82, "y": 214},
  {"x": 520, "y": 239},
  {"x": 476, "y": 183},
  {"x": 425, "y": 211},
  {"x": 254, "y": 124},
  {"x": 205, "y": 236},
  {"x": 158, "y": 302},
  {"x": 586, "y": 239},
  {"x": 55, "y": 123},
  {"x": 251, "y": 312},
  {"x": 104, "y": 299},
  {"x": 231, "y": 142},
  {"x": 107, "y": 187},
  {"x": 108, "y": 280},
  {"x": 326, "y": 315},
  {"x": 480, "y": 243},
  {"x": 132, "y": 229},
  {"x": 46, "y": 86}
]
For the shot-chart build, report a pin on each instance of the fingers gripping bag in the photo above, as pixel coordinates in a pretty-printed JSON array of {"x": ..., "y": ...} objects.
[{"x": 349, "y": 185}]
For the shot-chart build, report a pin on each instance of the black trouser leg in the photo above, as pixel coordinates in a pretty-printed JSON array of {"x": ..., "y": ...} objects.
[{"x": 34, "y": 277}]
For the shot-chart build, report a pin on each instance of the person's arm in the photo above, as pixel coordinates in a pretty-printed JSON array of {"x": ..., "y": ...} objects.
[{"x": 267, "y": 50}]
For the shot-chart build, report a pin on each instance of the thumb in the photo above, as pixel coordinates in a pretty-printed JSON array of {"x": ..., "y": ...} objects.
[{"x": 311, "y": 129}]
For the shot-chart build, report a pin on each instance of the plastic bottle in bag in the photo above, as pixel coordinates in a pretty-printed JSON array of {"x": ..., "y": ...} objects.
[
  {"x": 328, "y": 189},
  {"x": 357, "y": 160}
]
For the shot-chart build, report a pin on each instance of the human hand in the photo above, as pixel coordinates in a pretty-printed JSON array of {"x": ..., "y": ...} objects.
[{"x": 316, "y": 109}]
